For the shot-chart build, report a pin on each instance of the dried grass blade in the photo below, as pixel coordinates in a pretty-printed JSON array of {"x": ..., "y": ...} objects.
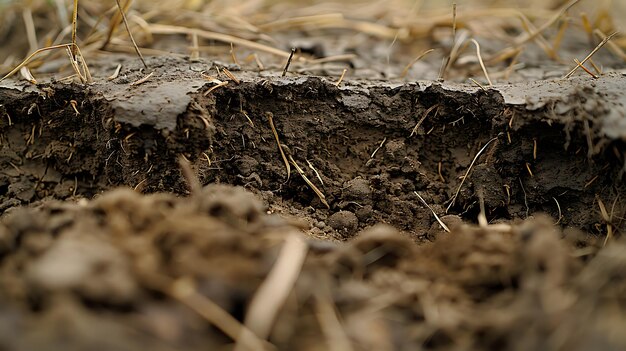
[
  {"x": 443, "y": 225},
  {"x": 142, "y": 80},
  {"x": 26, "y": 74},
  {"x": 31, "y": 33},
  {"x": 74, "y": 48},
  {"x": 550, "y": 22},
  {"x": 469, "y": 169},
  {"x": 75, "y": 67},
  {"x": 593, "y": 52},
  {"x": 617, "y": 51},
  {"x": 510, "y": 51},
  {"x": 332, "y": 328},
  {"x": 185, "y": 292},
  {"x": 130, "y": 34},
  {"x": 406, "y": 69},
  {"x": 419, "y": 123},
  {"x": 115, "y": 21},
  {"x": 30, "y": 57},
  {"x": 83, "y": 64},
  {"x": 116, "y": 73},
  {"x": 271, "y": 295},
  {"x": 480, "y": 60},
  {"x": 270, "y": 117},
  {"x": 224, "y": 38},
  {"x": 317, "y": 191},
  {"x": 301, "y": 22}
]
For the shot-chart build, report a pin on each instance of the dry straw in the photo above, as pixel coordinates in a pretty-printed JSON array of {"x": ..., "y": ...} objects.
[{"x": 221, "y": 27}]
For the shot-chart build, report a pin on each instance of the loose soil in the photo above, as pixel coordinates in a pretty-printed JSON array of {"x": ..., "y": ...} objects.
[{"x": 83, "y": 266}]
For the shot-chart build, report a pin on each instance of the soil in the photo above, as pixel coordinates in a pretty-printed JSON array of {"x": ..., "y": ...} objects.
[
  {"x": 555, "y": 145},
  {"x": 85, "y": 264}
]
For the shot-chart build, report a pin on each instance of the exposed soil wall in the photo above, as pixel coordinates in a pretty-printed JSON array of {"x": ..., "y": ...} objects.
[{"x": 367, "y": 146}]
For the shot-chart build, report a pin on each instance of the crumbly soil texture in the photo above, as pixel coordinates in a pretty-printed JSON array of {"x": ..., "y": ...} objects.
[
  {"x": 367, "y": 147},
  {"x": 370, "y": 171}
]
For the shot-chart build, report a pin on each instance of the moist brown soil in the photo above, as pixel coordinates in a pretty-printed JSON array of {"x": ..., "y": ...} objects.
[
  {"x": 117, "y": 272},
  {"x": 555, "y": 144},
  {"x": 83, "y": 267}
]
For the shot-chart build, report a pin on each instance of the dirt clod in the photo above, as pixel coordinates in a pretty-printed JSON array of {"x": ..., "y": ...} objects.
[
  {"x": 345, "y": 222},
  {"x": 357, "y": 190}
]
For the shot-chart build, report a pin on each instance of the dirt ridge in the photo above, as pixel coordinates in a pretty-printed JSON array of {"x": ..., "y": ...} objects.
[{"x": 540, "y": 157}]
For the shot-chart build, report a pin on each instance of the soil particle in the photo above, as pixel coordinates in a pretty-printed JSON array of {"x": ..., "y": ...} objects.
[
  {"x": 452, "y": 221},
  {"x": 64, "y": 189},
  {"x": 357, "y": 190},
  {"x": 247, "y": 165},
  {"x": 365, "y": 214},
  {"x": 344, "y": 222},
  {"x": 395, "y": 150},
  {"x": 320, "y": 224},
  {"x": 23, "y": 190}
]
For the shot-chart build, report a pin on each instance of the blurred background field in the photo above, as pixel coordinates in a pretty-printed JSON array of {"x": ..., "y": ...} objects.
[{"x": 384, "y": 36}]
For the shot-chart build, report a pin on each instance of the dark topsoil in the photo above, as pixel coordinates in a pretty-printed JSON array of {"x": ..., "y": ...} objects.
[{"x": 98, "y": 270}]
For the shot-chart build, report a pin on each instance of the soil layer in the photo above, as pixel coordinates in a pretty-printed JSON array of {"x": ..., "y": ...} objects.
[
  {"x": 554, "y": 147},
  {"x": 153, "y": 214}
]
